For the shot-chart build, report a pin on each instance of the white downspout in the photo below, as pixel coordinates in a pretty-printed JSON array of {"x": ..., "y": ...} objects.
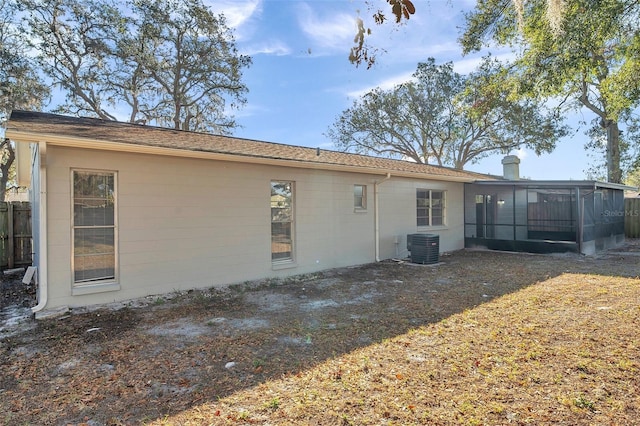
[
  {"x": 42, "y": 231},
  {"x": 376, "y": 214}
]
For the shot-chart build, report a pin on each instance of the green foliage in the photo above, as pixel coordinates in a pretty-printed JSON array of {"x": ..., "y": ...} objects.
[
  {"x": 589, "y": 58},
  {"x": 20, "y": 85},
  {"x": 582, "y": 402},
  {"x": 633, "y": 178},
  {"x": 273, "y": 404},
  {"x": 171, "y": 63},
  {"x": 447, "y": 118}
]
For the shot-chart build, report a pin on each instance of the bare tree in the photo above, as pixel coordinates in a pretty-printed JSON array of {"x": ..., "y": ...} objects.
[
  {"x": 446, "y": 118},
  {"x": 167, "y": 62}
]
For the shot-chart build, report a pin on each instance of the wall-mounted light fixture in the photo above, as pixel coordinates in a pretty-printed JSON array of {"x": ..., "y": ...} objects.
[{"x": 501, "y": 202}]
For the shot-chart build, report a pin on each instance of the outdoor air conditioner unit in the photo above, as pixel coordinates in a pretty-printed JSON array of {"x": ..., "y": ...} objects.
[{"x": 424, "y": 248}]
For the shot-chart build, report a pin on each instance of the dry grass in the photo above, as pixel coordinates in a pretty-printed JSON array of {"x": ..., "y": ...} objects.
[
  {"x": 483, "y": 338},
  {"x": 564, "y": 351}
]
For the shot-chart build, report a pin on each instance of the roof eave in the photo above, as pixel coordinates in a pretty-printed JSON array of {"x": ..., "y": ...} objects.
[
  {"x": 558, "y": 183},
  {"x": 75, "y": 142}
]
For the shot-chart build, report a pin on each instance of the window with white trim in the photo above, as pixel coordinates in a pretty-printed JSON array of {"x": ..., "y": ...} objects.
[
  {"x": 282, "y": 221},
  {"x": 94, "y": 226},
  {"x": 360, "y": 197},
  {"x": 430, "y": 207}
]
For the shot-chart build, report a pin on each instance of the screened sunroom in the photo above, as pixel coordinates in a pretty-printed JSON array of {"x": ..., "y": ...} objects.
[{"x": 544, "y": 216}]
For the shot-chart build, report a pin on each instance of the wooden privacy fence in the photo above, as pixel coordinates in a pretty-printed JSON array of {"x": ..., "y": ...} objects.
[
  {"x": 632, "y": 217},
  {"x": 15, "y": 234}
]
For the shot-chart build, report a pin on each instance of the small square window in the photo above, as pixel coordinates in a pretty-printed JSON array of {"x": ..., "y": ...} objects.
[{"x": 360, "y": 197}]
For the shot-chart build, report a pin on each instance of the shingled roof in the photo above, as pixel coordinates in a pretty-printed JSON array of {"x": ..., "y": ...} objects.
[{"x": 26, "y": 126}]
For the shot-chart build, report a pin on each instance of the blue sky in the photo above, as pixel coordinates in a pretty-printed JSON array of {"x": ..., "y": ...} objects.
[{"x": 301, "y": 79}]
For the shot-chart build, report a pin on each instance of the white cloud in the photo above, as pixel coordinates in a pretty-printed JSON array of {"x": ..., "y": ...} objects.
[
  {"x": 335, "y": 32},
  {"x": 522, "y": 153},
  {"x": 463, "y": 66},
  {"x": 386, "y": 84},
  {"x": 248, "y": 110},
  {"x": 244, "y": 16},
  {"x": 433, "y": 50},
  {"x": 271, "y": 47},
  {"x": 237, "y": 12}
]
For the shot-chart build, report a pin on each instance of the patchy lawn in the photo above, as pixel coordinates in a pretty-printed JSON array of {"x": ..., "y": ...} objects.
[{"x": 482, "y": 338}]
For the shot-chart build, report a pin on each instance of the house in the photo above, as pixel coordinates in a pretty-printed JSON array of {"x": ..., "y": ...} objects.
[
  {"x": 543, "y": 216},
  {"x": 122, "y": 211}
]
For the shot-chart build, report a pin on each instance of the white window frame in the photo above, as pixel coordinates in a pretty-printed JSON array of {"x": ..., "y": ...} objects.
[
  {"x": 362, "y": 205},
  {"x": 290, "y": 260},
  {"x": 99, "y": 284},
  {"x": 429, "y": 207}
]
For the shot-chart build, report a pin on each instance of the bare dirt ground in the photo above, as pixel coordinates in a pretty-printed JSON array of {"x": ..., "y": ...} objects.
[{"x": 143, "y": 361}]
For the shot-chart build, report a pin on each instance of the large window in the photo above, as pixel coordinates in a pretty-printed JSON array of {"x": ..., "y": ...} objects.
[
  {"x": 94, "y": 226},
  {"x": 430, "y": 207},
  {"x": 281, "y": 221}
]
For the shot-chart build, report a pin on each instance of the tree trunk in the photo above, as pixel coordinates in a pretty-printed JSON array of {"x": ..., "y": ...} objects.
[
  {"x": 5, "y": 166},
  {"x": 614, "y": 173}
]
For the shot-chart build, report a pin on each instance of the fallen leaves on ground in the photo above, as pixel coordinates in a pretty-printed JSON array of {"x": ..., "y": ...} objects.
[{"x": 482, "y": 338}]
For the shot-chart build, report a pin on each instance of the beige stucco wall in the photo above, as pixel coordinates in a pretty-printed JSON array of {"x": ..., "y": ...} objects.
[
  {"x": 191, "y": 223},
  {"x": 398, "y": 216}
]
